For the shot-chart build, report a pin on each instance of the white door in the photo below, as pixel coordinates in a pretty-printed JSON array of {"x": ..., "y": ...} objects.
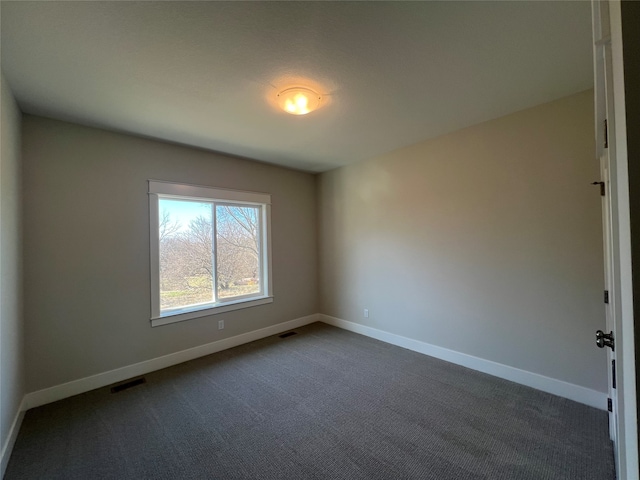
[
  {"x": 605, "y": 338},
  {"x": 605, "y": 126}
]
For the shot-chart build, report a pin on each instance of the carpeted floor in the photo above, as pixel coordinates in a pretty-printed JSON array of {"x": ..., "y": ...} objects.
[{"x": 322, "y": 404}]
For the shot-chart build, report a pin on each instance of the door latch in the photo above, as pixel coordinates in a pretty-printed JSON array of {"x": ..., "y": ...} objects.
[
  {"x": 601, "y": 187},
  {"x": 605, "y": 340}
]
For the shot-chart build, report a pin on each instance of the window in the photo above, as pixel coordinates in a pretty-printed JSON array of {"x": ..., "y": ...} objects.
[{"x": 210, "y": 251}]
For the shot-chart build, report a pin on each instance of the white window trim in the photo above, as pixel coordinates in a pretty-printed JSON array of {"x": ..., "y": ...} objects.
[{"x": 157, "y": 189}]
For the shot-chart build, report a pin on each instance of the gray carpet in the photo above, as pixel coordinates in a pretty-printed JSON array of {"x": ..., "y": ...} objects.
[{"x": 323, "y": 404}]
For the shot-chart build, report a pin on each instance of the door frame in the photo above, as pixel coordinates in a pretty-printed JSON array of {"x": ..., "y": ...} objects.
[{"x": 608, "y": 15}]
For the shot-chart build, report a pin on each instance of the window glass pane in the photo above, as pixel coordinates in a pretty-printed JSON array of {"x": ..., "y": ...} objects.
[
  {"x": 186, "y": 260},
  {"x": 238, "y": 250}
]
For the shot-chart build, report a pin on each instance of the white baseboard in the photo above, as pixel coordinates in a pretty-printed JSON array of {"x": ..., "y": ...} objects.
[
  {"x": 7, "y": 448},
  {"x": 58, "y": 392},
  {"x": 571, "y": 391}
]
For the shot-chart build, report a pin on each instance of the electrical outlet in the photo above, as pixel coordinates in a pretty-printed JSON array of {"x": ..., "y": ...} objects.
[
  {"x": 366, "y": 313},
  {"x": 220, "y": 324}
]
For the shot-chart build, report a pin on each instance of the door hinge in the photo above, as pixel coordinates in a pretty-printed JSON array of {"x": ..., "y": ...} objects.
[
  {"x": 606, "y": 296},
  {"x": 613, "y": 373},
  {"x": 609, "y": 405},
  {"x": 606, "y": 134}
]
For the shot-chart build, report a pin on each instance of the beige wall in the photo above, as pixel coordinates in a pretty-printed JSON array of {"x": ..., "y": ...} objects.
[
  {"x": 12, "y": 382},
  {"x": 486, "y": 241},
  {"x": 86, "y": 246}
]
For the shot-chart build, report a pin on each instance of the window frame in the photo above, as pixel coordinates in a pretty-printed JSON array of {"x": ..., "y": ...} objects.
[{"x": 181, "y": 191}]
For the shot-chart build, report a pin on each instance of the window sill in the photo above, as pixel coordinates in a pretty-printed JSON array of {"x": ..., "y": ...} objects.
[{"x": 182, "y": 315}]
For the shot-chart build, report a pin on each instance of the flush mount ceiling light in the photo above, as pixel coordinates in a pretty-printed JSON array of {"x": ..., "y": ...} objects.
[{"x": 299, "y": 100}]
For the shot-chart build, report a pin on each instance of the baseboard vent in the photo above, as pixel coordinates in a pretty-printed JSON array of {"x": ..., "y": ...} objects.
[
  {"x": 129, "y": 384},
  {"x": 288, "y": 334}
]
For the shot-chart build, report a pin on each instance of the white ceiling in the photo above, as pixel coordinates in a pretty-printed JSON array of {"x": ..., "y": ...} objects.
[{"x": 206, "y": 73}]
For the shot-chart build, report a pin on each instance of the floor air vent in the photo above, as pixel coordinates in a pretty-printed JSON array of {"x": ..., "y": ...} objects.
[
  {"x": 288, "y": 334},
  {"x": 129, "y": 384}
]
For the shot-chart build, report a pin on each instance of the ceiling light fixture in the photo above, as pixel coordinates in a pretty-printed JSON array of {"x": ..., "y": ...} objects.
[{"x": 299, "y": 100}]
